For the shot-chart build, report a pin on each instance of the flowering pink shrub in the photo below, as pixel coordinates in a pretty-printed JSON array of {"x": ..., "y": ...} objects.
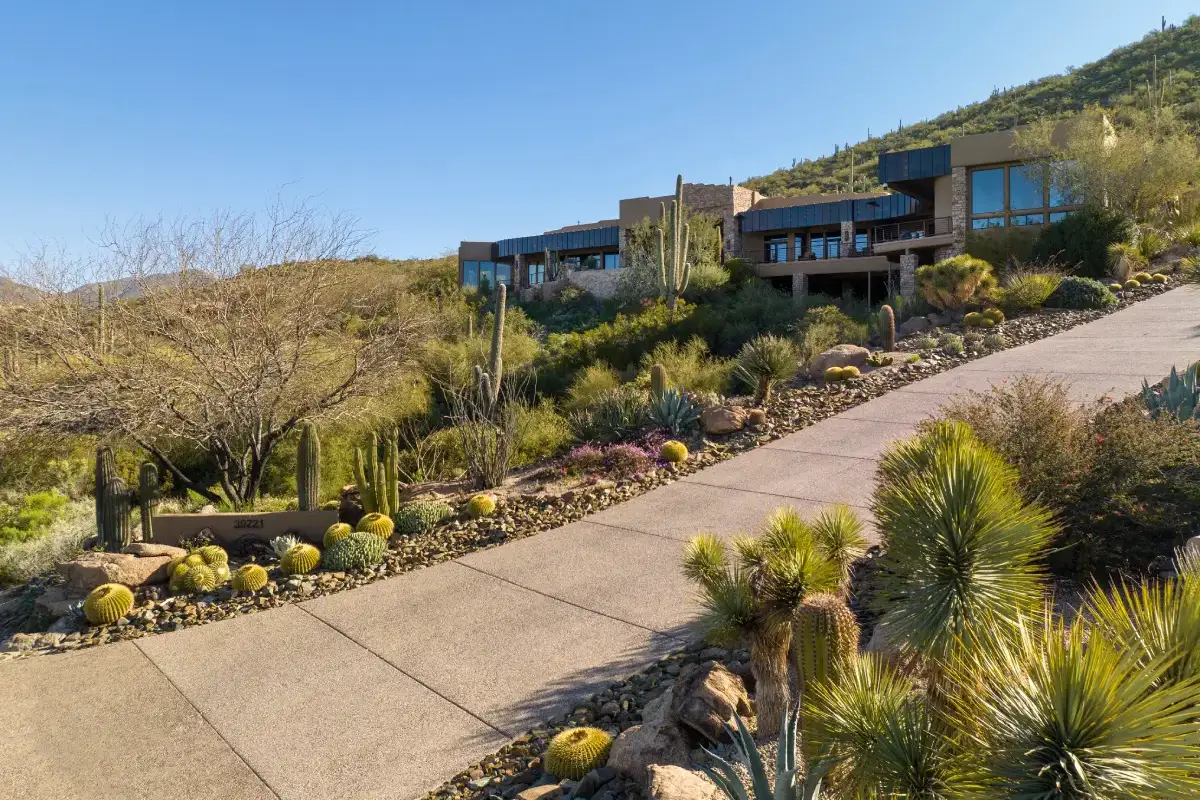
[
  {"x": 584, "y": 460},
  {"x": 627, "y": 459}
]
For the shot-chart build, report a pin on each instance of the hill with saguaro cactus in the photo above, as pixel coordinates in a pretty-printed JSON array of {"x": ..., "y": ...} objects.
[{"x": 1164, "y": 65}]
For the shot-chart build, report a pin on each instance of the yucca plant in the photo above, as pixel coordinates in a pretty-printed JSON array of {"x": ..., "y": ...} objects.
[
  {"x": 953, "y": 282},
  {"x": 1156, "y": 620},
  {"x": 961, "y": 545},
  {"x": 1124, "y": 259},
  {"x": 765, "y": 362},
  {"x": 1051, "y": 712},
  {"x": 1151, "y": 243},
  {"x": 838, "y": 533},
  {"x": 877, "y": 733}
]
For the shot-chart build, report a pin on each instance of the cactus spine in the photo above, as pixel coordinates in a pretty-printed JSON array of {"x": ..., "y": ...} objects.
[
  {"x": 489, "y": 382},
  {"x": 887, "y": 327},
  {"x": 824, "y": 639},
  {"x": 308, "y": 468},
  {"x": 675, "y": 279},
  {"x": 658, "y": 380},
  {"x": 147, "y": 498},
  {"x": 114, "y": 508}
]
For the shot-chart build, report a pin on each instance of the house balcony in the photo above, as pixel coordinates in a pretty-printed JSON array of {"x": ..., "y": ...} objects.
[
  {"x": 901, "y": 237},
  {"x": 783, "y": 259}
]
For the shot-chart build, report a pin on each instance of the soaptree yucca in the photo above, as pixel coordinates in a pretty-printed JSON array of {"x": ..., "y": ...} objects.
[{"x": 961, "y": 544}]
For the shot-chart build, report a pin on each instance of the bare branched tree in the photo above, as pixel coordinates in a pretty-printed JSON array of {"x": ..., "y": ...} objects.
[{"x": 231, "y": 331}]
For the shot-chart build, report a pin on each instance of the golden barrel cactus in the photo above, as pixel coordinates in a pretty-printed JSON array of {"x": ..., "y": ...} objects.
[
  {"x": 335, "y": 533},
  {"x": 198, "y": 578},
  {"x": 481, "y": 505},
  {"x": 379, "y": 524},
  {"x": 107, "y": 603},
  {"x": 575, "y": 752},
  {"x": 213, "y": 556},
  {"x": 249, "y": 578},
  {"x": 673, "y": 452},
  {"x": 301, "y": 559}
]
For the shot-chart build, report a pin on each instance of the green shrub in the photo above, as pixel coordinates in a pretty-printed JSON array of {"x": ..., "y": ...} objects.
[
  {"x": 589, "y": 384},
  {"x": 951, "y": 343},
  {"x": 766, "y": 362},
  {"x": 953, "y": 282},
  {"x": 1151, "y": 243},
  {"x": 926, "y": 343},
  {"x": 31, "y": 517},
  {"x": 542, "y": 434},
  {"x": 690, "y": 367},
  {"x": 1078, "y": 293},
  {"x": 1081, "y": 241}
]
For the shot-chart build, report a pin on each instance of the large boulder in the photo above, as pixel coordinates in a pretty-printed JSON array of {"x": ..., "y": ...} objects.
[
  {"x": 58, "y": 601},
  {"x": 93, "y": 569},
  {"x": 913, "y": 325},
  {"x": 670, "y": 782},
  {"x": 720, "y": 420},
  {"x": 705, "y": 698},
  {"x": 842, "y": 355},
  {"x": 658, "y": 740}
]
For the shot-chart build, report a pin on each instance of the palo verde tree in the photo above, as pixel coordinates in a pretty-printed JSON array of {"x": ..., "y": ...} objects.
[{"x": 227, "y": 334}]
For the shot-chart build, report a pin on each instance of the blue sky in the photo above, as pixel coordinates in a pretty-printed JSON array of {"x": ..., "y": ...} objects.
[{"x": 440, "y": 121}]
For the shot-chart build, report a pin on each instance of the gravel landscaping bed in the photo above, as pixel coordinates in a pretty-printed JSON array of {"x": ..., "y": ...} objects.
[{"x": 517, "y": 516}]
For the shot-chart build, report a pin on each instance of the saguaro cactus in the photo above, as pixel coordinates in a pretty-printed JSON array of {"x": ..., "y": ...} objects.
[
  {"x": 489, "y": 382},
  {"x": 147, "y": 498},
  {"x": 106, "y": 470},
  {"x": 114, "y": 508},
  {"x": 308, "y": 468},
  {"x": 674, "y": 275},
  {"x": 658, "y": 380},
  {"x": 887, "y": 327}
]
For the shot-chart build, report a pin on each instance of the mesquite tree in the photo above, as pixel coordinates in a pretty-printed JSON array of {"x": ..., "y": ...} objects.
[{"x": 230, "y": 332}]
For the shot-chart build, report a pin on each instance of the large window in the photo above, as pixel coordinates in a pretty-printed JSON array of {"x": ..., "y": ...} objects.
[
  {"x": 504, "y": 274},
  {"x": 987, "y": 191},
  {"x": 860, "y": 241},
  {"x": 1025, "y": 189},
  {"x": 775, "y": 249},
  {"x": 537, "y": 274},
  {"x": 612, "y": 260},
  {"x": 487, "y": 275},
  {"x": 817, "y": 246},
  {"x": 1016, "y": 195},
  {"x": 470, "y": 273}
]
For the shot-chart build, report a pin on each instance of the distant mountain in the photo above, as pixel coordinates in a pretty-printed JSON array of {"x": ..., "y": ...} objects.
[
  {"x": 13, "y": 292},
  {"x": 129, "y": 288},
  {"x": 1119, "y": 79}
]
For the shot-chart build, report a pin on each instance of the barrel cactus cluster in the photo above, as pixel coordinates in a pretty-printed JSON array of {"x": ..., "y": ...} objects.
[
  {"x": 420, "y": 517},
  {"x": 839, "y": 374},
  {"x": 201, "y": 570}
]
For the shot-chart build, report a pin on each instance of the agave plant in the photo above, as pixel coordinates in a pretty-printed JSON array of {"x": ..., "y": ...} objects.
[
  {"x": 1053, "y": 712},
  {"x": 674, "y": 411},
  {"x": 765, "y": 362},
  {"x": 961, "y": 545},
  {"x": 281, "y": 544},
  {"x": 1180, "y": 397},
  {"x": 788, "y": 785},
  {"x": 615, "y": 414}
]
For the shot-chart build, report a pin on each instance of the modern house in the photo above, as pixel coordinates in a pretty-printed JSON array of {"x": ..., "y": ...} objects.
[{"x": 869, "y": 243}]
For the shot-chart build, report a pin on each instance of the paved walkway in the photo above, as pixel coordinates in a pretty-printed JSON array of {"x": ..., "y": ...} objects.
[{"x": 387, "y": 690}]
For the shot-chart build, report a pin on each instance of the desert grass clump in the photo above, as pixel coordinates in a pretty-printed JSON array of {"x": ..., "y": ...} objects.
[
  {"x": 1026, "y": 289},
  {"x": 766, "y": 362}
]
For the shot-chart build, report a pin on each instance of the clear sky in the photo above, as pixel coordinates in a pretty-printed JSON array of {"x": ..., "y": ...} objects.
[{"x": 440, "y": 121}]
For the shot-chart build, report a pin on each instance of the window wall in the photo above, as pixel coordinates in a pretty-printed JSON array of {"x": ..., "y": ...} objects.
[
  {"x": 485, "y": 274},
  {"x": 1016, "y": 195},
  {"x": 536, "y": 273},
  {"x": 775, "y": 249},
  {"x": 612, "y": 260}
]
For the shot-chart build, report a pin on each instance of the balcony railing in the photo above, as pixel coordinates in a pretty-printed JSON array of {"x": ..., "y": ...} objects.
[
  {"x": 783, "y": 252},
  {"x": 917, "y": 229}
]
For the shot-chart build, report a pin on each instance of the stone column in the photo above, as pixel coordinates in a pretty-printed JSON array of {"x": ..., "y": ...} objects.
[
  {"x": 908, "y": 276},
  {"x": 958, "y": 209},
  {"x": 621, "y": 247},
  {"x": 799, "y": 285},
  {"x": 520, "y": 276},
  {"x": 847, "y": 238}
]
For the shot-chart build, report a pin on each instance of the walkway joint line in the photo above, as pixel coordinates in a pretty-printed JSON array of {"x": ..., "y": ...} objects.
[
  {"x": 207, "y": 721},
  {"x": 781, "y": 496},
  {"x": 405, "y": 673}
]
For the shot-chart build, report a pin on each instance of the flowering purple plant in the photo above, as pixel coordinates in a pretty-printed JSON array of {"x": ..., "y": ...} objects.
[
  {"x": 583, "y": 460},
  {"x": 628, "y": 459}
]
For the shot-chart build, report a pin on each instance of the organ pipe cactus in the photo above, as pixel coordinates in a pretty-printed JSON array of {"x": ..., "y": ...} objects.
[
  {"x": 106, "y": 470},
  {"x": 308, "y": 468},
  {"x": 887, "y": 327},
  {"x": 372, "y": 477},
  {"x": 674, "y": 275},
  {"x": 1179, "y": 397},
  {"x": 147, "y": 498}
]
